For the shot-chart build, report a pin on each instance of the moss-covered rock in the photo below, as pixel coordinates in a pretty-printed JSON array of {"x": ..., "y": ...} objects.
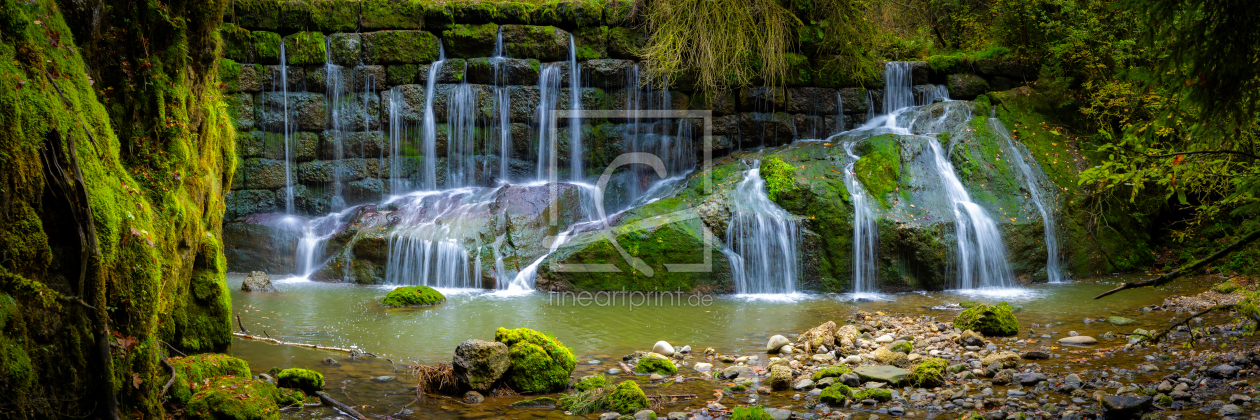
[
  {"x": 305, "y": 48},
  {"x": 929, "y": 373},
  {"x": 627, "y": 397},
  {"x": 590, "y": 382},
  {"x": 780, "y": 377},
  {"x": 257, "y": 14},
  {"x": 193, "y": 370},
  {"x": 335, "y": 16},
  {"x": 266, "y": 48},
  {"x": 966, "y": 86},
  {"x": 831, "y": 372},
  {"x": 903, "y": 347},
  {"x": 413, "y": 296},
  {"x": 778, "y": 176},
  {"x": 750, "y": 413},
  {"x": 544, "y": 43},
  {"x": 540, "y": 363},
  {"x": 240, "y": 398},
  {"x": 399, "y": 47},
  {"x": 877, "y": 394},
  {"x": 880, "y": 169},
  {"x": 656, "y": 363},
  {"x": 308, "y": 381},
  {"x": 996, "y": 320},
  {"x": 470, "y": 40},
  {"x": 836, "y": 394},
  {"x": 1227, "y": 286},
  {"x": 375, "y": 15}
]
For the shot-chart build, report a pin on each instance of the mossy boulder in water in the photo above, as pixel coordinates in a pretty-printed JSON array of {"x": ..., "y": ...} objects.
[
  {"x": 929, "y": 373},
  {"x": 836, "y": 394},
  {"x": 778, "y": 176},
  {"x": 995, "y": 320},
  {"x": 540, "y": 363},
  {"x": 240, "y": 398},
  {"x": 831, "y": 372},
  {"x": 413, "y": 296},
  {"x": 627, "y": 397},
  {"x": 590, "y": 382},
  {"x": 655, "y": 363},
  {"x": 306, "y": 380}
]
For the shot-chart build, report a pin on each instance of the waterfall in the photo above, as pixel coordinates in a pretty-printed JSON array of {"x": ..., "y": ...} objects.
[
  {"x": 870, "y": 106},
  {"x": 981, "y": 253},
  {"x": 575, "y": 121},
  {"x": 315, "y": 235},
  {"x": 548, "y": 92},
  {"x": 865, "y": 231},
  {"x": 502, "y": 106},
  {"x": 334, "y": 87},
  {"x": 288, "y": 154},
  {"x": 898, "y": 86},
  {"x": 430, "y": 122},
  {"x": 461, "y": 123},
  {"x": 524, "y": 280},
  {"x": 1039, "y": 198},
  {"x": 426, "y": 248},
  {"x": 763, "y": 240},
  {"x": 839, "y": 113}
]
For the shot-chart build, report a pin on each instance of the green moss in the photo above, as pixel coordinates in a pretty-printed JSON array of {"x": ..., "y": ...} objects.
[
  {"x": 295, "y": 15},
  {"x": 257, "y": 14},
  {"x": 1228, "y": 286},
  {"x": 266, "y": 47},
  {"x": 238, "y": 43},
  {"x": 305, "y": 48},
  {"x": 750, "y": 413},
  {"x": 536, "y": 402},
  {"x": 308, "y": 381},
  {"x": 470, "y": 40},
  {"x": 836, "y": 394},
  {"x": 590, "y": 382},
  {"x": 659, "y": 365},
  {"x": 929, "y": 373},
  {"x": 376, "y": 15},
  {"x": 399, "y": 47},
  {"x": 240, "y": 398},
  {"x": 592, "y": 42},
  {"x": 903, "y": 347},
  {"x": 877, "y": 394},
  {"x": 778, "y": 176},
  {"x": 831, "y": 372},
  {"x": 334, "y": 16},
  {"x": 413, "y": 296},
  {"x": 799, "y": 72},
  {"x": 192, "y": 371},
  {"x": 880, "y": 169},
  {"x": 968, "y": 304},
  {"x": 540, "y": 363},
  {"x": 627, "y": 397},
  {"x": 1164, "y": 400},
  {"x": 947, "y": 64},
  {"x": 997, "y": 320}
]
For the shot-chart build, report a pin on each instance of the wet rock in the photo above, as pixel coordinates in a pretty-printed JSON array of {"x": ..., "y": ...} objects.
[
  {"x": 609, "y": 416},
  {"x": 775, "y": 343},
  {"x": 1029, "y": 379},
  {"x": 703, "y": 367},
  {"x": 1239, "y": 399},
  {"x": 887, "y": 374},
  {"x": 1230, "y": 410},
  {"x": 1119, "y": 320},
  {"x": 823, "y": 358},
  {"x": 992, "y": 369},
  {"x": 1006, "y": 358},
  {"x": 971, "y": 338},
  {"x": 1164, "y": 387},
  {"x": 1223, "y": 371},
  {"x": 1004, "y": 377},
  {"x": 382, "y": 379},
  {"x": 676, "y": 415},
  {"x": 663, "y": 348},
  {"x": 779, "y": 413},
  {"x": 803, "y": 384},
  {"x": 780, "y": 377},
  {"x": 330, "y": 362},
  {"x": 645, "y": 415},
  {"x": 1125, "y": 407},
  {"x": 257, "y": 281},
  {"x": 473, "y": 397},
  {"x": 966, "y": 86},
  {"x": 478, "y": 364},
  {"x": 850, "y": 379},
  {"x": 735, "y": 372},
  {"x": 1078, "y": 340},
  {"x": 1035, "y": 355}
]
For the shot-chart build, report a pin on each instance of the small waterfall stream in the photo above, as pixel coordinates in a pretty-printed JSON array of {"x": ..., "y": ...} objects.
[
  {"x": 429, "y": 131},
  {"x": 1039, "y": 197},
  {"x": 981, "y": 255},
  {"x": 763, "y": 240},
  {"x": 288, "y": 132},
  {"x": 502, "y": 122},
  {"x": 575, "y": 121},
  {"x": 865, "y": 232}
]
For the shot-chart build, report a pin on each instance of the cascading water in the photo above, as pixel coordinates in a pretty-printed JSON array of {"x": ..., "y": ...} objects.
[
  {"x": 502, "y": 106},
  {"x": 334, "y": 89},
  {"x": 524, "y": 280},
  {"x": 763, "y": 240},
  {"x": 430, "y": 122},
  {"x": 898, "y": 86},
  {"x": 981, "y": 255},
  {"x": 549, "y": 80},
  {"x": 575, "y": 121},
  {"x": 865, "y": 232},
  {"x": 288, "y": 155},
  {"x": 1039, "y": 197},
  {"x": 461, "y": 123},
  {"x": 425, "y": 249}
]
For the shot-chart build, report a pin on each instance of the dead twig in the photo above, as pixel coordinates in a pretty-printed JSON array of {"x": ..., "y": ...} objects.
[
  {"x": 323, "y": 396},
  {"x": 1186, "y": 269}
]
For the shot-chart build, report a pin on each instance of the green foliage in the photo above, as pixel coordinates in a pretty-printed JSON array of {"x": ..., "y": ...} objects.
[
  {"x": 997, "y": 320},
  {"x": 413, "y": 296},
  {"x": 778, "y": 176},
  {"x": 831, "y": 372},
  {"x": 659, "y": 365},
  {"x": 306, "y": 380},
  {"x": 540, "y": 363},
  {"x": 750, "y": 413}
]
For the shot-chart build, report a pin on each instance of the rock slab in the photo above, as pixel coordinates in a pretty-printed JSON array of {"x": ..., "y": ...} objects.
[
  {"x": 478, "y": 364},
  {"x": 888, "y": 374}
]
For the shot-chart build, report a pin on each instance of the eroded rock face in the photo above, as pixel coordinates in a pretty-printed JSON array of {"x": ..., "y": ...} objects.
[{"x": 479, "y": 364}]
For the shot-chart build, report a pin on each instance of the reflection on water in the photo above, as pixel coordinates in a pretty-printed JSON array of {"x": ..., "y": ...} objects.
[{"x": 343, "y": 315}]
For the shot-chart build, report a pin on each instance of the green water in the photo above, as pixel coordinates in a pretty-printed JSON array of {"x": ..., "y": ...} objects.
[{"x": 344, "y": 315}]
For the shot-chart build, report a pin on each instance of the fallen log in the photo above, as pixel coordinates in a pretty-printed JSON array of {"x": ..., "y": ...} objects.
[
  {"x": 323, "y": 396},
  {"x": 289, "y": 343}
]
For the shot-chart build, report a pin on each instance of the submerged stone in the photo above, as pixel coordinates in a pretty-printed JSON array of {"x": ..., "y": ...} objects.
[{"x": 889, "y": 374}]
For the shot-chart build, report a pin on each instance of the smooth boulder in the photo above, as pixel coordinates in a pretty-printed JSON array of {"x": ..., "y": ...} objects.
[
  {"x": 775, "y": 343},
  {"x": 257, "y": 281},
  {"x": 663, "y": 348},
  {"x": 478, "y": 364},
  {"x": 1079, "y": 340}
]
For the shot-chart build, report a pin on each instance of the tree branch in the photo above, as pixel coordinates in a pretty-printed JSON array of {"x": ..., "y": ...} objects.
[
  {"x": 323, "y": 396},
  {"x": 1189, "y": 268}
]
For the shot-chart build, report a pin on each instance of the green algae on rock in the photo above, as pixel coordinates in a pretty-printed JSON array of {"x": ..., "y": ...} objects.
[
  {"x": 407, "y": 296},
  {"x": 929, "y": 373},
  {"x": 540, "y": 363},
  {"x": 996, "y": 320},
  {"x": 240, "y": 398},
  {"x": 655, "y": 363},
  {"x": 831, "y": 372},
  {"x": 590, "y": 382},
  {"x": 627, "y": 397},
  {"x": 306, "y": 380},
  {"x": 836, "y": 394}
]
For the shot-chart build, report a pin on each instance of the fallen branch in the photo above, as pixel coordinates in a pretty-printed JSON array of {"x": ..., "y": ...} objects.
[
  {"x": 1172, "y": 327},
  {"x": 241, "y": 325},
  {"x": 1189, "y": 268},
  {"x": 625, "y": 368},
  {"x": 172, "y": 380},
  {"x": 673, "y": 396},
  {"x": 289, "y": 343},
  {"x": 323, "y": 396}
]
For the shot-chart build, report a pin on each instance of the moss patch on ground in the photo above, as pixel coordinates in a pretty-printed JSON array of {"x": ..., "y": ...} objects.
[{"x": 413, "y": 296}]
